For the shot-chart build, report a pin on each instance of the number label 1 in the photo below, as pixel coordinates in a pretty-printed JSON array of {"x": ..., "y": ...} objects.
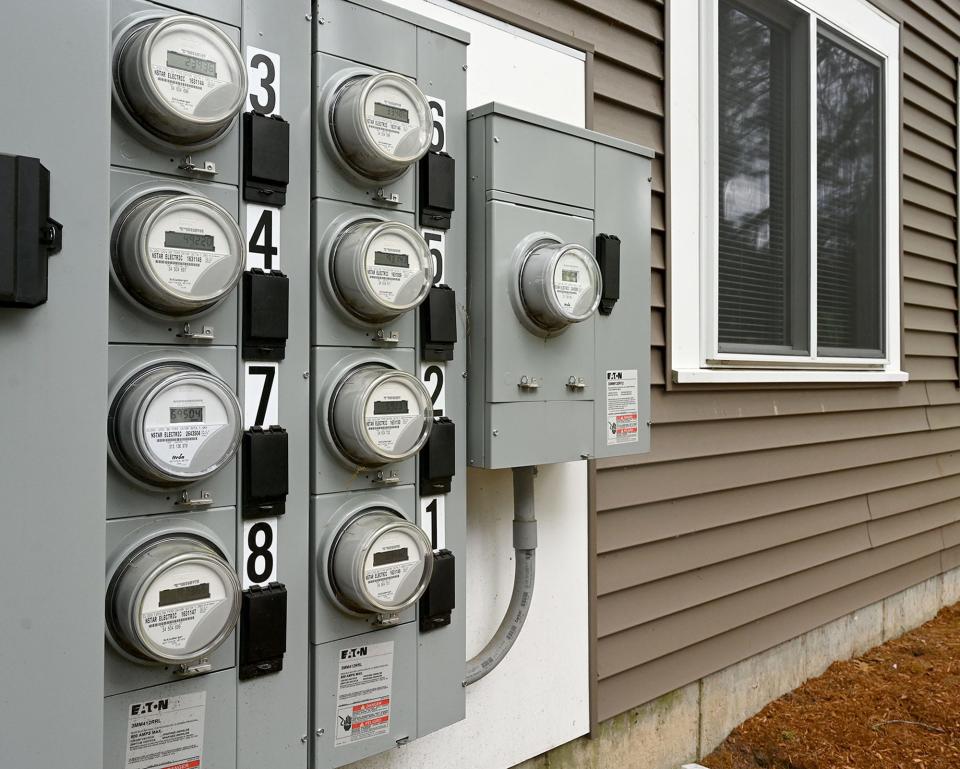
[
  {"x": 433, "y": 520},
  {"x": 263, "y": 237},
  {"x": 439, "y": 109},
  {"x": 437, "y": 243},
  {"x": 263, "y": 81},
  {"x": 434, "y": 376},
  {"x": 259, "y": 552},
  {"x": 261, "y": 394}
]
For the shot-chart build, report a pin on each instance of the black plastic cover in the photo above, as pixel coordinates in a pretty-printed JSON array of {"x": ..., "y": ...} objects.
[
  {"x": 266, "y": 158},
  {"x": 608, "y": 259},
  {"x": 438, "y": 323},
  {"x": 265, "y": 456},
  {"x": 263, "y": 630},
  {"x": 439, "y": 599},
  {"x": 27, "y": 233},
  {"x": 438, "y": 458},
  {"x": 266, "y": 314},
  {"x": 437, "y": 190}
]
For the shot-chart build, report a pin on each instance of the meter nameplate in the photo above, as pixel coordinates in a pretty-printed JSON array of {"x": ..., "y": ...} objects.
[
  {"x": 572, "y": 281},
  {"x": 364, "y": 683},
  {"x": 190, "y": 73},
  {"x": 176, "y": 604},
  {"x": 166, "y": 733},
  {"x": 393, "y": 120},
  {"x": 389, "y": 561},
  {"x": 179, "y": 444},
  {"x": 623, "y": 413},
  {"x": 392, "y": 417},
  {"x": 184, "y": 247}
]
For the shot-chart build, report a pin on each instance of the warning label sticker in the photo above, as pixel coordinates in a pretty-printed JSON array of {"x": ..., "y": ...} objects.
[
  {"x": 364, "y": 681},
  {"x": 622, "y": 407},
  {"x": 166, "y": 733}
]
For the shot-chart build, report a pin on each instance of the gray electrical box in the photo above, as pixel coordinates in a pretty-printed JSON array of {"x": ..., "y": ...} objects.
[
  {"x": 559, "y": 291},
  {"x": 388, "y": 421}
]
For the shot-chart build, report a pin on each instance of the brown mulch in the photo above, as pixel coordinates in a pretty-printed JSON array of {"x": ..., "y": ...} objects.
[{"x": 897, "y": 706}]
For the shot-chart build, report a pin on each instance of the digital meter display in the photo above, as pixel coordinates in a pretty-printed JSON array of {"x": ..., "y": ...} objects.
[
  {"x": 570, "y": 276},
  {"x": 385, "y": 259},
  {"x": 173, "y": 239},
  {"x": 184, "y": 594},
  {"x": 391, "y": 113},
  {"x": 391, "y": 407},
  {"x": 191, "y": 64},
  {"x": 391, "y": 556},
  {"x": 181, "y": 414}
]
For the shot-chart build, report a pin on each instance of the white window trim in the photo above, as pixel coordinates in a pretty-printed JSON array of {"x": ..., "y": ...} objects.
[{"x": 692, "y": 204}]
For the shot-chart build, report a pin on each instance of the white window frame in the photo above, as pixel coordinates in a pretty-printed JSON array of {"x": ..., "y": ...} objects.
[{"x": 692, "y": 175}]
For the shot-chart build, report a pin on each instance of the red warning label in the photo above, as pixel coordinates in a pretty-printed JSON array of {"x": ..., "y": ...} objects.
[
  {"x": 363, "y": 693},
  {"x": 623, "y": 415}
]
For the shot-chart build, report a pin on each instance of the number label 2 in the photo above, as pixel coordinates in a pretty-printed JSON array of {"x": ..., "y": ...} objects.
[
  {"x": 434, "y": 376},
  {"x": 263, "y": 79},
  {"x": 259, "y": 552}
]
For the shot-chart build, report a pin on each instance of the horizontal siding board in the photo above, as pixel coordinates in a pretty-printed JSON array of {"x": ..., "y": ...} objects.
[
  {"x": 929, "y": 294},
  {"x": 928, "y": 368},
  {"x": 688, "y": 440},
  {"x": 930, "y": 319},
  {"x": 913, "y": 522},
  {"x": 927, "y": 343},
  {"x": 940, "y": 83},
  {"x": 929, "y": 197},
  {"x": 930, "y": 270},
  {"x": 655, "y": 639},
  {"x": 625, "y": 486},
  {"x": 628, "y": 567},
  {"x": 628, "y": 87},
  {"x": 923, "y": 146},
  {"x": 643, "y": 683},
  {"x": 725, "y": 404},
  {"x": 657, "y": 250},
  {"x": 929, "y": 221},
  {"x": 920, "y": 169},
  {"x": 930, "y": 126},
  {"x": 892, "y": 502},
  {"x": 917, "y": 241},
  {"x": 614, "y": 118},
  {"x": 921, "y": 49},
  {"x": 673, "y": 517}
]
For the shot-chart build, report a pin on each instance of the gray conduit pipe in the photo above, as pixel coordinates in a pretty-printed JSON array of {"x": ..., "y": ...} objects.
[{"x": 525, "y": 548}]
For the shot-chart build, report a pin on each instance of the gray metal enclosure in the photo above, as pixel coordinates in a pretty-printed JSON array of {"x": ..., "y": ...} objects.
[{"x": 53, "y": 378}]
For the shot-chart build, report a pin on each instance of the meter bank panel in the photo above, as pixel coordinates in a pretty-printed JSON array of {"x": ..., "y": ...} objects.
[{"x": 256, "y": 274}]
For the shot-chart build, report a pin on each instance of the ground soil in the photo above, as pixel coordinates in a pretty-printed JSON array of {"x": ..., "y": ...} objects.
[{"x": 896, "y": 707}]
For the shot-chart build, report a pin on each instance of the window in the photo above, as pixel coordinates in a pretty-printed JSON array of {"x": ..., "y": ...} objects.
[{"x": 783, "y": 132}]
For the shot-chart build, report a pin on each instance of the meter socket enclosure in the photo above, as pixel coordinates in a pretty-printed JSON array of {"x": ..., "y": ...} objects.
[{"x": 550, "y": 378}]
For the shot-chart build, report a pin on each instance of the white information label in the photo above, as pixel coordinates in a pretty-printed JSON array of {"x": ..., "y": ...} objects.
[
  {"x": 166, "y": 733},
  {"x": 437, "y": 243},
  {"x": 623, "y": 416},
  {"x": 434, "y": 376},
  {"x": 263, "y": 237},
  {"x": 261, "y": 394},
  {"x": 364, "y": 680},
  {"x": 259, "y": 552},
  {"x": 438, "y": 143},
  {"x": 178, "y": 445},
  {"x": 263, "y": 81},
  {"x": 433, "y": 520}
]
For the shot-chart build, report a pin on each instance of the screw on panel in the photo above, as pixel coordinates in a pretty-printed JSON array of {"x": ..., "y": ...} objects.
[
  {"x": 319, "y": 732},
  {"x": 496, "y": 433},
  {"x": 304, "y": 738},
  {"x": 496, "y": 139},
  {"x": 306, "y": 374}
]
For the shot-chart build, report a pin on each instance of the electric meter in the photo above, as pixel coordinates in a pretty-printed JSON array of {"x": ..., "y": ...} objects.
[
  {"x": 173, "y": 424},
  {"x": 380, "y": 563},
  {"x": 181, "y": 77},
  {"x": 382, "y": 124},
  {"x": 380, "y": 415},
  {"x": 177, "y": 254},
  {"x": 173, "y": 600},
  {"x": 381, "y": 269},
  {"x": 559, "y": 283}
]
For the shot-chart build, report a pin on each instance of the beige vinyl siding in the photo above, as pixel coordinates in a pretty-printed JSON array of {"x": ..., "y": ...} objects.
[{"x": 760, "y": 514}]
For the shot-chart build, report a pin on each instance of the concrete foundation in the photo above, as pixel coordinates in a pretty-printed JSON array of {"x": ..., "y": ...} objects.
[{"x": 687, "y": 724}]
